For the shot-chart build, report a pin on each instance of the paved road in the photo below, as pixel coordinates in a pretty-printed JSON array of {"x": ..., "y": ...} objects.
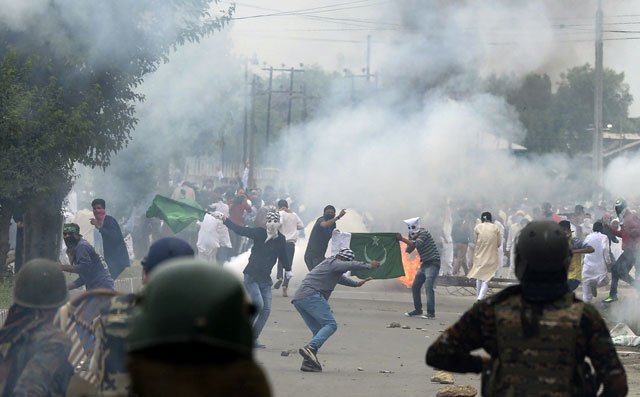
[{"x": 362, "y": 341}]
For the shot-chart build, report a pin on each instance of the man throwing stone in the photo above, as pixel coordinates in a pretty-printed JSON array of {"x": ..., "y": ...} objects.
[{"x": 311, "y": 301}]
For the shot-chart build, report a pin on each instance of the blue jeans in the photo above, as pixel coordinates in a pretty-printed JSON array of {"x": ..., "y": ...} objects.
[
  {"x": 316, "y": 313},
  {"x": 427, "y": 276},
  {"x": 260, "y": 294}
]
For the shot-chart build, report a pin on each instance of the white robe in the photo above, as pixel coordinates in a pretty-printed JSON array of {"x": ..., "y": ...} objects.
[{"x": 485, "y": 254}]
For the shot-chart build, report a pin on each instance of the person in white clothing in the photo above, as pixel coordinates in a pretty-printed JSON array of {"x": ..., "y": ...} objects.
[
  {"x": 485, "y": 254},
  {"x": 290, "y": 225},
  {"x": 208, "y": 238},
  {"x": 594, "y": 268}
]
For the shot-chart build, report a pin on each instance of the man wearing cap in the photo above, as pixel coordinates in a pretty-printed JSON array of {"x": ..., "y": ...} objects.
[
  {"x": 110, "y": 354},
  {"x": 92, "y": 270},
  {"x": 33, "y": 352},
  {"x": 421, "y": 239},
  {"x": 115, "y": 250},
  {"x": 311, "y": 301},
  {"x": 320, "y": 236},
  {"x": 269, "y": 245}
]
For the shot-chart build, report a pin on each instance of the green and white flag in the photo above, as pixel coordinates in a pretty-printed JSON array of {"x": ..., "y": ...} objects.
[
  {"x": 367, "y": 247},
  {"x": 177, "y": 214}
]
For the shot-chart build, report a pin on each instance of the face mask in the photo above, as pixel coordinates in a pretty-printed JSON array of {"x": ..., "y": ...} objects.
[
  {"x": 328, "y": 217},
  {"x": 413, "y": 231},
  {"x": 70, "y": 241},
  {"x": 272, "y": 230}
]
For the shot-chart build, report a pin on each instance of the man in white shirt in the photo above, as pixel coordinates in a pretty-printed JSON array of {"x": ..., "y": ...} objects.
[
  {"x": 594, "y": 268},
  {"x": 290, "y": 224}
]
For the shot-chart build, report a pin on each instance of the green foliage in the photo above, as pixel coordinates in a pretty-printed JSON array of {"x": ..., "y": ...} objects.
[
  {"x": 563, "y": 121},
  {"x": 68, "y": 79}
]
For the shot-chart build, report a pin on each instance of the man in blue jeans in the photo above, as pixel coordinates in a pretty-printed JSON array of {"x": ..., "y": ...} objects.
[
  {"x": 421, "y": 239},
  {"x": 311, "y": 301},
  {"x": 269, "y": 245}
]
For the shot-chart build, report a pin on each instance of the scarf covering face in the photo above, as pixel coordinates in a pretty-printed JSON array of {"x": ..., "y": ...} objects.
[
  {"x": 99, "y": 214},
  {"x": 273, "y": 224}
]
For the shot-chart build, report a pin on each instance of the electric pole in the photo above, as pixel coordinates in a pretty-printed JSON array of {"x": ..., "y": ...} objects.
[
  {"x": 269, "y": 105},
  {"x": 252, "y": 137},
  {"x": 290, "y": 97},
  {"x": 597, "y": 111},
  {"x": 245, "y": 135}
]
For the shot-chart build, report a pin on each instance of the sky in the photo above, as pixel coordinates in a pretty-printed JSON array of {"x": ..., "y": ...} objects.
[{"x": 333, "y": 34}]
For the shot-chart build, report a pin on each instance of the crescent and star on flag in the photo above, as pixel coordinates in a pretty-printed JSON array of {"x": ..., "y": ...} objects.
[{"x": 376, "y": 242}]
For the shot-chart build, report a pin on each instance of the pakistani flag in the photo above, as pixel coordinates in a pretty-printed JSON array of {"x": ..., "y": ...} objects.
[
  {"x": 383, "y": 247},
  {"x": 177, "y": 214}
]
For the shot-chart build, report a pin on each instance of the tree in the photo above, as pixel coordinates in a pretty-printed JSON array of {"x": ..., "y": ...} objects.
[
  {"x": 573, "y": 105},
  {"x": 70, "y": 70}
]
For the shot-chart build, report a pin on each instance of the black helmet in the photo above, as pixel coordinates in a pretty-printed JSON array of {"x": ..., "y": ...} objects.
[
  {"x": 542, "y": 247},
  {"x": 40, "y": 284},
  {"x": 620, "y": 206}
]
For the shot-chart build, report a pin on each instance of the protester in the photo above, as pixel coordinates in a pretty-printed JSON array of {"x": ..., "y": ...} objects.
[
  {"x": 537, "y": 334},
  {"x": 113, "y": 245},
  {"x": 485, "y": 255},
  {"x": 192, "y": 335},
  {"x": 421, "y": 239},
  {"x": 290, "y": 225},
  {"x": 237, "y": 210},
  {"x": 629, "y": 231},
  {"x": 269, "y": 245},
  {"x": 460, "y": 237},
  {"x": 311, "y": 301},
  {"x": 320, "y": 236},
  {"x": 33, "y": 352},
  {"x": 578, "y": 248},
  {"x": 112, "y": 328},
  {"x": 208, "y": 238},
  {"x": 91, "y": 268},
  {"x": 594, "y": 269}
]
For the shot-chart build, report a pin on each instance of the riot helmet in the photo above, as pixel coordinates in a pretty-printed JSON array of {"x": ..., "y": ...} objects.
[
  {"x": 542, "y": 249},
  {"x": 40, "y": 284},
  {"x": 188, "y": 302}
]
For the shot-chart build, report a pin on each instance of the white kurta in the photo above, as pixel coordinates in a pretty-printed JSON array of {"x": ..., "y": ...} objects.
[
  {"x": 485, "y": 254},
  {"x": 208, "y": 237},
  {"x": 594, "y": 267}
]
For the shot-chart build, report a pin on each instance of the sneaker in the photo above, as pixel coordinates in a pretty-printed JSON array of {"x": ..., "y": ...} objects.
[
  {"x": 413, "y": 313},
  {"x": 284, "y": 292},
  {"x": 309, "y": 354},
  {"x": 308, "y": 366},
  {"x": 429, "y": 316},
  {"x": 277, "y": 284},
  {"x": 610, "y": 299}
]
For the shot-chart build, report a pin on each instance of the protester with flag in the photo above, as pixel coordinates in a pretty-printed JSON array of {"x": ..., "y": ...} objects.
[
  {"x": 269, "y": 245},
  {"x": 311, "y": 301},
  {"x": 421, "y": 239}
]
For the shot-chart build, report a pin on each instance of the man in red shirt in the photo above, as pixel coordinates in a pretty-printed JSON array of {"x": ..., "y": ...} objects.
[
  {"x": 630, "y": 232},
  {"x": 236, "y": 215}
]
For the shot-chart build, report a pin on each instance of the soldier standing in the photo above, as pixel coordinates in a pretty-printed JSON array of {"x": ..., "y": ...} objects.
[
  {"x": 537, "y": 334},
  {"x": 33, "y": 352}
]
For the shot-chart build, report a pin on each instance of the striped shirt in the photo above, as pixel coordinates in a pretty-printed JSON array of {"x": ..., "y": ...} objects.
[{"x": 427, "y": 249}]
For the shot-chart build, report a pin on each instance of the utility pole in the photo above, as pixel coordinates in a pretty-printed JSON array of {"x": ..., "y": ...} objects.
[
  {"x": 269, "y": 105},
  {"x": 368, "y": 58},
  {"x": 290, "y": 97},
  {"x": 245, "y": 135},
  {"x": 597, "y": 111},
  {"x": 252, "y": 137}
]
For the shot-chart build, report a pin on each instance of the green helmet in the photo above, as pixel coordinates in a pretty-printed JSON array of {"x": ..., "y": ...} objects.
[
  {"x": 40, "y": 284},
  {"x": 542, "y": 248},
  {"x": 189, "y": 301}
]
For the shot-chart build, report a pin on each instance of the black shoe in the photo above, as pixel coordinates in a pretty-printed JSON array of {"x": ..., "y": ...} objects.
[
  {"x": 413, "y": 313},
  {"x": 309, "y": 354},
  {"x": 277, "y": 284},
  {"x": 308, "y": 366}
]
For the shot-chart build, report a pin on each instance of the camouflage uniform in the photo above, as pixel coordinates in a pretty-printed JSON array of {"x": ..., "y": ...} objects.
[
  {"x": 34, "y": 362},
  {"x": 551, "y": 362},
  {"x": 111, "y": 351}
]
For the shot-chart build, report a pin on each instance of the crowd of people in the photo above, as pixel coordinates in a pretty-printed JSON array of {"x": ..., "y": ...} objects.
[{"x": 197, "y": 321}]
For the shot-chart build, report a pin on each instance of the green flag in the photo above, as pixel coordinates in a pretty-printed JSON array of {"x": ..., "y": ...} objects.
[
  {"x": 177, "y": 214},
  {"x": 383, "y": 247}
]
